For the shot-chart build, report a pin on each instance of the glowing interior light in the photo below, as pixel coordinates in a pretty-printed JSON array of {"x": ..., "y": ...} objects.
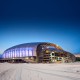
[
  {"x": 23, "y": 52},
  {"x": 6, "y": 55},
  {"x": 13, "y": 55},
  {"x": 9, "y": 54},
  {"x": 20, "y": 53},
  {"x": 17, "y": 51},
  {"x": 30, "y": 52},
  {"x": 26, "y": 51}
]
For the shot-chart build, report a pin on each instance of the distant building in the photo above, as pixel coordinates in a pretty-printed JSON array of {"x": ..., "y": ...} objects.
[
  {"x": 37, "y": 52},
  {"x": 77, "y": 56}
]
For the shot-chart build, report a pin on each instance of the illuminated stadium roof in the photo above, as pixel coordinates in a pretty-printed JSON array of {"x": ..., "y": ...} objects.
[
  {"x": 36, "y": 52},
  {"x": 32, "y": 44}
]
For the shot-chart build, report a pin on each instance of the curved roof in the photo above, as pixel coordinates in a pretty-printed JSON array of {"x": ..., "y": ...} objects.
[{"x": 32, "y": 44}]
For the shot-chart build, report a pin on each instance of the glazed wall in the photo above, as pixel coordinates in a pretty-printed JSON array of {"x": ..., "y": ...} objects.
[{"x": 19, "y": 52}]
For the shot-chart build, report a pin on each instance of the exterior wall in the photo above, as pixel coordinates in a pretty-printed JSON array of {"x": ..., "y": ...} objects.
[
  {"x": 77, "y": 55},
  {"x": 19, "y": 52},
  {"x": 37, "y": 53}
]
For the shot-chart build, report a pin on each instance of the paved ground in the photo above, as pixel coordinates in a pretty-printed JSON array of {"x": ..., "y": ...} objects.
[{"x": 26, "y": 71}]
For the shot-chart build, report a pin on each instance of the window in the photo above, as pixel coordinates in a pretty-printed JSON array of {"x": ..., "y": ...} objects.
[
  {"x": 52, "y": 54},
  {"x": 30, "y": 52},
  {"x": 17, "y": 52},
  {"x": 13, "y": 54},
  {"x": 26, "y": 51}
]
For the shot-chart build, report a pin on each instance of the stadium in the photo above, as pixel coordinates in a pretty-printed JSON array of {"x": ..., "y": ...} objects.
[{"x": 37, "y": 52}]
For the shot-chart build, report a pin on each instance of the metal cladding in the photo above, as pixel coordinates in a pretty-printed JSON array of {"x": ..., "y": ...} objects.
[
  {"x": 23, "y": 50},
  {"x": 36, "y": 51}
]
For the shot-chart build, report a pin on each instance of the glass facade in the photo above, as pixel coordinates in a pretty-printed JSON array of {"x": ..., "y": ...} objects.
[
  {"x": 18, "y": 52},
  {"x": 37, "y": 52}
]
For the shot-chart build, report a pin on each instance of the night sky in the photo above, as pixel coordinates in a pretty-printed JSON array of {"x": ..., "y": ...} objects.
[{"x": 55, "y": 21}]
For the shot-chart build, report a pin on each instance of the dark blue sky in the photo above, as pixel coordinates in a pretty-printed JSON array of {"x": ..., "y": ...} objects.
[{"x": 56, "y": 21}]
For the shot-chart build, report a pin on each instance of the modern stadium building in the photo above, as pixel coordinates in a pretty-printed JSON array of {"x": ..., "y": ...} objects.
[{"x": 37, "y": 52}]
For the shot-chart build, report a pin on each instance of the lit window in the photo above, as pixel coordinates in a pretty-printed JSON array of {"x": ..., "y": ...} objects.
[
  {"x": 13, "y": 54},
  {"x": 17, "y": 52},
  {"x": 9, "y": 54},
  {"x": 30, "y": 52},
  {"x": 26, "y": 51},
  {"x": 20, "y": 53}
]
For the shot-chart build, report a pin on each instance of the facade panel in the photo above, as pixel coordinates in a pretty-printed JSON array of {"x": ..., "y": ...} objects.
[{"x": 38, "y": 52}]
